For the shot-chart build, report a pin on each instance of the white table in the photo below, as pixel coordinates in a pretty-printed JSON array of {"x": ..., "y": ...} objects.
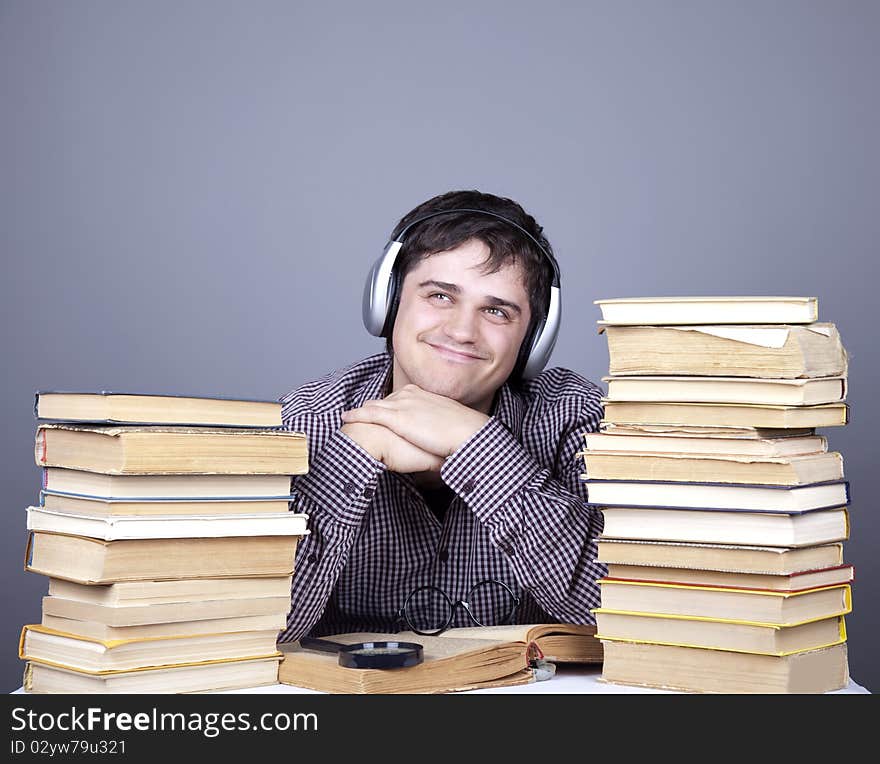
[{"x": 569, "y": 680}]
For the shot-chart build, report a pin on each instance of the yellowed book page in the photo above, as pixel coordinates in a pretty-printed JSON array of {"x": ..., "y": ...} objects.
[{"x": 448, "y": 665}]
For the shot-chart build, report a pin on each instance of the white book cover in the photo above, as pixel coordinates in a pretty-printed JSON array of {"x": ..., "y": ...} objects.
[
  {"x": 167, "y": 526},
  {"x": 739, "y": 309}
]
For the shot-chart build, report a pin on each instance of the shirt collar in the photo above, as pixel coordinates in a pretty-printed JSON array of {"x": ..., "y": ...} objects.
[{"x": 377, "y": 384}]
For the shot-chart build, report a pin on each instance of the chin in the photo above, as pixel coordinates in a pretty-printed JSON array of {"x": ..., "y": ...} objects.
[{"x": 449, "y": 388}]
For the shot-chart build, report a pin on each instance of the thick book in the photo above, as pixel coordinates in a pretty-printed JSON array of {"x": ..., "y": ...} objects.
[
  {"x": 803, "y": 469},
  {"x": 733, "y": 604},
  {"x": 165, "y": 612},
  {"x": 94, "y": 561},
  {"x": 558, "y": 642},
  {"x": 171, "y": 450},
  {"x": 780, "y": 582},
  {"x": 216, "y": 676},
  {"x": 774, "y": 529},
  {"x": 742, "y": 415},
  {"x": 99, "y": 507},
  {"x": 103, "y": 632},
  {"x": 693, "y": 669},
  {"x": 42, "y": 645},
  {"x": 767, "y": 560},
  {"x": 148, "y": 592},
  {"x": 713, "y": 634},
  {"x": 140, "y": 488},
  {"x": 756, "y": 309},
  {"x": 143, "y": 408},
  {"x": 768, "y": 351},
  {"x": 673, "y": 443},
  {"x": 775, "y": 392},
  {"x": 699, "y": 431},
  {"x": 725, "y": 496},
  {"x": 449, "y": 664}
]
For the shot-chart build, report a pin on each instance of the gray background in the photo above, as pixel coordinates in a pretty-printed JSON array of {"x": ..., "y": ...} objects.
[{"x": 192, "y": 192}]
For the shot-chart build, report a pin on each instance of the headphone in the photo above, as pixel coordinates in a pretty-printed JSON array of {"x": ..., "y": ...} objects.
[{"x": 382, "y": 293}]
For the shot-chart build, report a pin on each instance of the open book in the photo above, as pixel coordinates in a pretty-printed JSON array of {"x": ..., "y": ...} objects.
[{"x": 458, "y": 659}]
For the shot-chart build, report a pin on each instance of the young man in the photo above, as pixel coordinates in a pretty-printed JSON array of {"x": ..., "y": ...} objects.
[{"x": 438, "y": 474}]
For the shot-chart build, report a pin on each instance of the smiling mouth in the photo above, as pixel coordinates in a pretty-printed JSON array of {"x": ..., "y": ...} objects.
[{"x": 454, "y": 355}]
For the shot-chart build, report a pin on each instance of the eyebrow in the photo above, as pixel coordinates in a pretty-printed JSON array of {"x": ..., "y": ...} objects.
[{"x": 497, "y": 302}]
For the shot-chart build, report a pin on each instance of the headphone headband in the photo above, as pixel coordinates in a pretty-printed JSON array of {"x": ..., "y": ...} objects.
[{"x": 550, "y": 258}]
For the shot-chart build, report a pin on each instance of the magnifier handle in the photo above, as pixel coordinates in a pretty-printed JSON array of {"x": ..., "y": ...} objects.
[{"x": 325, "y": 645}]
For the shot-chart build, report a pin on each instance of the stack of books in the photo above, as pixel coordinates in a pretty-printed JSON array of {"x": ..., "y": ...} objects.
[
  {"x": 725, "y": 511},
  {"x": 163, "y": 528}
]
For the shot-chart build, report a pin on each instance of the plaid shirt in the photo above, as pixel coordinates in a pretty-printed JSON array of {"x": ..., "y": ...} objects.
[{"x": 518, "y": 514}]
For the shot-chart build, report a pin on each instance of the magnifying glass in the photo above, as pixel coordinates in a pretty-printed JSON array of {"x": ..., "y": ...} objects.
[{"x": 369, "y": 655}]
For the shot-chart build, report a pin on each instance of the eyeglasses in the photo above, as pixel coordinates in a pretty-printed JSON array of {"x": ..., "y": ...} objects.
[{"x": 429, "y": 611}]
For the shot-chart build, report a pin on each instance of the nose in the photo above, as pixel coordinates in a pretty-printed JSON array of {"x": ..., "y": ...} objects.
[{"x": 461, "y": 325}]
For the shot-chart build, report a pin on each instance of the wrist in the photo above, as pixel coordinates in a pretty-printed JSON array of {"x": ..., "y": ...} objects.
[
  {"x": 475, "y": 425},
  {"x": 362, "y": 434}
]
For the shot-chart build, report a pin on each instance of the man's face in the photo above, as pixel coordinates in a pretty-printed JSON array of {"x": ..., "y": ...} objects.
[{"x": 458, "y": 330}]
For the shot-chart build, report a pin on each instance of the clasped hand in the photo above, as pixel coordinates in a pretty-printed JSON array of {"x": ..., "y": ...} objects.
[{"x": 412, "y": 430}]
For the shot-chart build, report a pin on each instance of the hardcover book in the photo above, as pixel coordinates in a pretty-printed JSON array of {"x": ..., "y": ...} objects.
[
  {"x": 449, "y": 665},
  {"x": 774, "y": 529},
  {"x": 731, "y": 604},
  {"x": 105, "y": 633},
  {"x": 42, "y": 645},
  {"x": 112, "y": 528},
  {"x": 692, "y": 389},
  {"x": 142, "y": 408},
  {"x": 96, "y": 506},
  {"x": 457, "y": 659},
  {"x": 171, "y": 450},
  {"x": 624, "y": 440},
  {"x": 139, "y": 488},
  {"x": 206, "y": 677},
  {"x": 767, "y": 560},
  {"x": 803, "y": 469},
  {"x": 742, "y": 415},
  {"x": 780, "y": 582},
  {"x": 692, "y": 669},
  {"x": 94, "y": 561},
  {"x": 754, "y": 309},
  {"x": 708, "y": 495},
  {"x": 767, "y": 351},
  {"x": 714, "y": 634},
  {"x": 164, "y": 612}
]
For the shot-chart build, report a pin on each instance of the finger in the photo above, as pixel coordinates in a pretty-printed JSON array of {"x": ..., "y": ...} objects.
[
  {"x": 365, "y": 410},
  {"x": 371, "y": 415}
]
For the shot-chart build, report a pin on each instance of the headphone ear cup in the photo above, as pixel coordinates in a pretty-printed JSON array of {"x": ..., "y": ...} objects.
[
  {"x": 541, "y": 340},
  {"x": 377, "y": 297},
  {"x": 393, "y": 304},
  {"x": 369, "y": 308},
  {"x": 525, "y": 350}
]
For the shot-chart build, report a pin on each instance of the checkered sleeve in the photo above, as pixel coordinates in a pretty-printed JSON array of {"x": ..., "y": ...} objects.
[
  {"x": 335, "y": 494},
  {"x": 535, "y": 504}
]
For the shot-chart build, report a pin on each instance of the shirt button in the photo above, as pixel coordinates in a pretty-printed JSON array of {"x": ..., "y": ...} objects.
[
  {"x": 350, "y": 488},
  {"x": 312, "y": 558},
  {"x": 368, "y": 493},
  {"x": 443, "y": 556},
  {"x": 468, "y": 486}
]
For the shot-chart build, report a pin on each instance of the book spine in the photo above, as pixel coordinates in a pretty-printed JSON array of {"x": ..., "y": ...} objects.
[{"x": 42, "y": 448}]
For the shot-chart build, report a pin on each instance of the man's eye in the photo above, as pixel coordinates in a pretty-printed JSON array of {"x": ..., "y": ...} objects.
[
  {"x": 440, "y": 296},
  {"x": 498, "y": 312}
]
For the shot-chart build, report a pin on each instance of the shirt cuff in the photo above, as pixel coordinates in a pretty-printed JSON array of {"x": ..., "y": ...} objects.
[
  {"x": 341, "y": 480},
  {"x": 489, "y": 469}
]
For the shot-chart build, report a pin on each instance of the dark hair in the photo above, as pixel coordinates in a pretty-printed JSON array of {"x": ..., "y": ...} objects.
[{"x": 507, "y": 245}]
